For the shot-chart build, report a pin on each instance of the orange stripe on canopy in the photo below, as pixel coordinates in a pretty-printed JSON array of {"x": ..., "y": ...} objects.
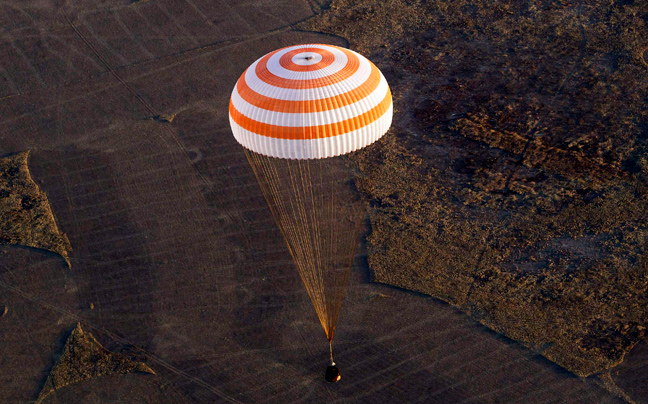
[
  {"x": 262, "y": 72},
  {"x": 286, "y": 60},
  {"x": 311, "y": 132},
  {"x": 307, "y": 106}
]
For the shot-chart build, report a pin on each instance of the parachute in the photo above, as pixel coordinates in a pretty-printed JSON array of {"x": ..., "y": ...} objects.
[{"x": 297, "y": 111}]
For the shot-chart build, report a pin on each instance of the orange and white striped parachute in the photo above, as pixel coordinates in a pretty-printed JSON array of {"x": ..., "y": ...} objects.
[
  {"x": 297, "y": 111},
  {"x": 310, "y": 101}
]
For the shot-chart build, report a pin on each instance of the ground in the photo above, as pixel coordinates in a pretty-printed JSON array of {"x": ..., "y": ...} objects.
[
  {"x": 27, "y": 219},
  {"x": 511, "y": 119}
]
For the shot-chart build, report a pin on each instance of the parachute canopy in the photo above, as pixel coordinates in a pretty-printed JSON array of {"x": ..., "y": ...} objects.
[
  {"x": 297, "y": 111},
  {"x": 309, "y": 102}
]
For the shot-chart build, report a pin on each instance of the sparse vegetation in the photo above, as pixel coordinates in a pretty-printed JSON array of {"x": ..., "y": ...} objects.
[
  {"x": 513, "y": 182},
  {"x": 25, "y": 215},
  {"x": 83, "y": 357}
]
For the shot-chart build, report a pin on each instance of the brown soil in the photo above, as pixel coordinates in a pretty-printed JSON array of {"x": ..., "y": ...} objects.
[
  {"x": 513, "y": 182},
  {"x": 26, "y": 218}
]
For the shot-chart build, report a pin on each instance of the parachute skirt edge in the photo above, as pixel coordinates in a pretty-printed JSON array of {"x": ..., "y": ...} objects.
[{"x": 304, "y": 149}]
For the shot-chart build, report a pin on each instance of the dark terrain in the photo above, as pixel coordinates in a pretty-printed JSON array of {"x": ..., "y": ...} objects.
[
  {"x": 514, "y": 183},
  {"x": 512, "y": 186}
]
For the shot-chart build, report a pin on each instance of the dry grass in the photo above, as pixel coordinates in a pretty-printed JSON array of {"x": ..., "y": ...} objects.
[
  {"x": 513, "y": 182},
  {"x": 25, "y": 215}
]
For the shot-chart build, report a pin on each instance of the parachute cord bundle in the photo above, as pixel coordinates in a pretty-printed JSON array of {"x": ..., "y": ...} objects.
[
  {"x": 331, "y": 348},
  {"x": 313, "y": 207}
]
